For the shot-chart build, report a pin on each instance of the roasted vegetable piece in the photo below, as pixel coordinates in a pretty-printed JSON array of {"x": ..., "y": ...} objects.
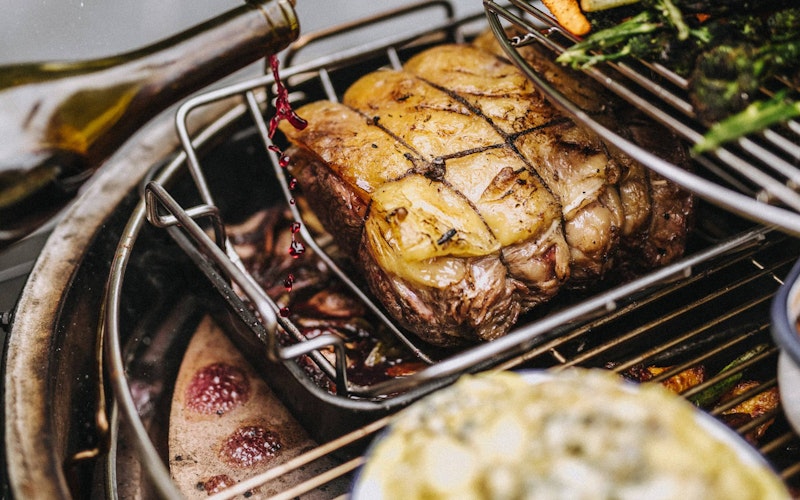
[
  {"x": 724, "y": 81},
  {"x": 712, "y": 394},
  {"x": 728, "y": 77},
  {"x": 590, "y": 51},
  {"x": 678, "y": 383},
  {"x": 659, "y": 25},
  {"x": 761, "y": 404},
  {"x": 468, "y": 199},
  {"x": 756, "y": 116},
  {"x": 569, "y": 15}
]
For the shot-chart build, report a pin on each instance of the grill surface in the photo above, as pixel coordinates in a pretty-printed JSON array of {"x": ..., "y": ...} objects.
[
  {"x": 717, "y": 314},
  {"x": 707, "y": 310}
]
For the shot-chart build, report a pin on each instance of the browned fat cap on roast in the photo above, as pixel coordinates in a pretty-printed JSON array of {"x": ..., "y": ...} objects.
[{"x": 465, "y": 196}]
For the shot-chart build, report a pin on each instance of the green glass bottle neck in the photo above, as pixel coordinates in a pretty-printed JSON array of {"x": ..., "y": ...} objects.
[
  {"x": 60, "y": 120},
  {"x": 217, "y": 47}
]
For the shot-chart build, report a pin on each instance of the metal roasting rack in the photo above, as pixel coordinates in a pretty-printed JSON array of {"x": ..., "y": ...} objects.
[
  {"x": 719, "y": 292},
  {"x": 757, "y": 177},
  {"x": 159, "y": 201}
]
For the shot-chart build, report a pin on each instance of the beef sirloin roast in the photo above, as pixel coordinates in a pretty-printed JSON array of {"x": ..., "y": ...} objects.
[{"x": 467, "y": 199}]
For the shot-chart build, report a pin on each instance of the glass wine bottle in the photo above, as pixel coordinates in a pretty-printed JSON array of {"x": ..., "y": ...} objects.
[{"x": 60, "y": 120}]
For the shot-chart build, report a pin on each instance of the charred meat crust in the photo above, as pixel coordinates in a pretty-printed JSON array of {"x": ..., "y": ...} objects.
[{"x": 334, "y": 202}]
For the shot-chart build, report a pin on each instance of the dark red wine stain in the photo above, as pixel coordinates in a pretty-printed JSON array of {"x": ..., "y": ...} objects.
[
  {"x": 215, "y": 484},
  {"x": 250, "y": 445},
  {"x": 217, "y": 388},
  {"x": 283, "y": 158}
]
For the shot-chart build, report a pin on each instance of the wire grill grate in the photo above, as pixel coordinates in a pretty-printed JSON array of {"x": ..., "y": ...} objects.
[{"x": 675, "y": 328}]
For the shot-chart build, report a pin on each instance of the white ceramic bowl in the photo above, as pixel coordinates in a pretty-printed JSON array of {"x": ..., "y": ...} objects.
[
  {"x": 703, "y": 443},
  {"x": 784, "y": 315}
]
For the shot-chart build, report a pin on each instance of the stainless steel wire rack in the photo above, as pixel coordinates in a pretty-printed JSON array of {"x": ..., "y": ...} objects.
[{"x": 757, "y": 176}]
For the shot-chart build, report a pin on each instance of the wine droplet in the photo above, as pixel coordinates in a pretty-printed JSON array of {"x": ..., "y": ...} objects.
[
  {"x": 284, "y": 312},
  {"x": 289, "y": 282},
  {"x": 295, "y": 227},
  {"x": 296, "y": 249},
  {"x": 293, "y": 183}
]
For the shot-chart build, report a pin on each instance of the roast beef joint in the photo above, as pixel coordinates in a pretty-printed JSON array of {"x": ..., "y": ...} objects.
[{"x": 466, "y": 199}]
